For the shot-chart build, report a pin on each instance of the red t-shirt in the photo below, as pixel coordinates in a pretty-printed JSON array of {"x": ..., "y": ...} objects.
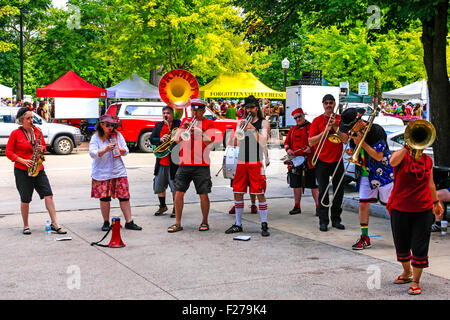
[
  {"x": 19, "y": 146},
  {"x": 297, "y": 138},
  {"x": 331, "y": 152},
  {"x": 411, "y": 192},
  {"x": 165, "y": 161},
  {"x": 195, "y": 152}
]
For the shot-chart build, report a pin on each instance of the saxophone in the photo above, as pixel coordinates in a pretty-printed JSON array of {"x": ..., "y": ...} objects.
[{"x": 37, "y": 157}]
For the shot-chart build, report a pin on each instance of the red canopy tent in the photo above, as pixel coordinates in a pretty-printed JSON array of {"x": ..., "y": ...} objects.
[{"x": 71, "y": 85}]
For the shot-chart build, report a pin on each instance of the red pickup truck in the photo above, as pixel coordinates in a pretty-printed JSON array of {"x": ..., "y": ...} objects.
[{"x": 139, "y": 118}]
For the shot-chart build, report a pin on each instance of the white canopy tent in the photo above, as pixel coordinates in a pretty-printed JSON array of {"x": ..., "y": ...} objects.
[
  {"x": 5, "y": 92},
  {"x": 133, "y": 88},
  {"x": 416, "y": 90}
]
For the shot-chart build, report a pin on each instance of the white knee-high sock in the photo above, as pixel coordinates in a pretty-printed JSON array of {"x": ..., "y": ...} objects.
[
  {"x": 238, "y": 210},
  {"x": 263, "y": 211}
]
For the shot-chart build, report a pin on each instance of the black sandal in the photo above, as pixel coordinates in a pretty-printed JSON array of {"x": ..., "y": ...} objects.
[
  {"x": 26, "y": 231},
  {"x": 58, "y": 231},
  {"x": 203, "y": 227}
]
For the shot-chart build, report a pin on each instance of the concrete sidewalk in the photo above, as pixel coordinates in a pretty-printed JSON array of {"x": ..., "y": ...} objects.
[{"x": 297, "y": 261}]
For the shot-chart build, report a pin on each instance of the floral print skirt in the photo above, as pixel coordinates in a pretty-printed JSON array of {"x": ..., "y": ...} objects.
[{"x": 114, "y": 188}]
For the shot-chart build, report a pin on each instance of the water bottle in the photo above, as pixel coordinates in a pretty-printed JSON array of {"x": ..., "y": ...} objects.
[{"x": 48, "y": 231}]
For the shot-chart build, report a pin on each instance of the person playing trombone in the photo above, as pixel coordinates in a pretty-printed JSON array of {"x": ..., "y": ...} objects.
[
  {"x": 165, "y": 168},
  {"x": 296, "y": 144},
  {"x": 374, "y": 171},
  {"x": 328, "y": 162}
]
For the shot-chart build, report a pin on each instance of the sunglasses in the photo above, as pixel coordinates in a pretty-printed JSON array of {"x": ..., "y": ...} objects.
[
  {"x": 107, "y": 124},
  {"x": 328, "y": 103},
  {"x": 298, "y": 117}
]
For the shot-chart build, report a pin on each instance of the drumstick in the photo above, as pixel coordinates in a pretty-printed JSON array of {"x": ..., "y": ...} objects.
[{"x": 219, "y": 171}]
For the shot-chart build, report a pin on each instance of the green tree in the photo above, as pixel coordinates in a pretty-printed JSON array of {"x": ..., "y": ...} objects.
[
  {"x": 271, "y": 21},
  {"x": 194, "y": 35},
  {"x": 386, "y": 62}
]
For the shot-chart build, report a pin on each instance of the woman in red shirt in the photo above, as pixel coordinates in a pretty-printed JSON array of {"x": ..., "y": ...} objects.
[
  {"x": 412, "y": 204},
  {"x": 20, "y": 151}
]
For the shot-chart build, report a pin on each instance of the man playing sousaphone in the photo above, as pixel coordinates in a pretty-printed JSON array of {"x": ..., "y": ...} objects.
[
  {"x": 329, "y": 157},
  {"x": 303, "y": 176},
  {"x": 250, "y": 170},
  {"x": 165, "y": 168},
  {"x": 375, "y": 173}
]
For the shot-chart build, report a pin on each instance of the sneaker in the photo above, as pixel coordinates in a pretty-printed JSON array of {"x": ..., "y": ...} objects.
[
  {"x": 132, "y": 226},
  {"x": 295, "y": 210},
  {"x": 105, "y": 226},
  {"x": 232, "y": 210},
  {"x": 233, "y": 229},
  {"x": 254, "y": 209},
  {"x": 362, "y": 243},
  {"x": 265, "y": 229},
  {"x": 161, "y": 211}
]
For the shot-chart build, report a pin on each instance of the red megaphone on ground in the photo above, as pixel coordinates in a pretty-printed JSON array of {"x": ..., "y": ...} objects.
[{"x": 116, "y": 240}]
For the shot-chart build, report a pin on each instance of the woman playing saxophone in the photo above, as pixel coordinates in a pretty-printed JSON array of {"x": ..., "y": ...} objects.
[{"x": 25, "y": 147}]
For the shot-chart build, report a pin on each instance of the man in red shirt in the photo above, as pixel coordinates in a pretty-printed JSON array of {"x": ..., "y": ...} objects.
[
  {"x": 303, "y": 176},
  {"x": 165, "y": 169},
  {"x": 194, "y": 162},
  {"x": 329, "y": 158}
]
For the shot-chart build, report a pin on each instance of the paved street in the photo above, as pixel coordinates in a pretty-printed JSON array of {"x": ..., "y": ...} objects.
[{"x": 296, "y": 262}]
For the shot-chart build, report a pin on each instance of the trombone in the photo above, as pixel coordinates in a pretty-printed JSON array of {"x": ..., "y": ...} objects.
[
  {"x": 186, "y": 135},
  {"x": 240, "y": 132},
  {"x": 334, "y": 137},
  {"x": 166, "y": 147},
  {"x": 354, "y": 159}
]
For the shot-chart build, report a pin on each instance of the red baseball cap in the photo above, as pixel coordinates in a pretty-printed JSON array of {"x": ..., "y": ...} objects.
[{"x": 298, "y": 110}]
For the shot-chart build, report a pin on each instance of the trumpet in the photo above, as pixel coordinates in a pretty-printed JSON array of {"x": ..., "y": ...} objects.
[
  {"x": 186, "y": 135},
  {"x": 240, "y": 132},
  {"x": 331, "y": 137}
]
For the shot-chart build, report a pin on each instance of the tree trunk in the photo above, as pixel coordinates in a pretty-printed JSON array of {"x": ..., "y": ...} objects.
[{"x": 434, "y": 47}]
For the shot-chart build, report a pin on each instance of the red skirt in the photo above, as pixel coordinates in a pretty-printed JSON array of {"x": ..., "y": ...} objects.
[{"x": 114, "y": 188}]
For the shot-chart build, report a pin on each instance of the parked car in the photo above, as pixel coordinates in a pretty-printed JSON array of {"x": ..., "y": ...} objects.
[
  {"x": 60, "y": 138},
  {"x": 139, "y": 118}
]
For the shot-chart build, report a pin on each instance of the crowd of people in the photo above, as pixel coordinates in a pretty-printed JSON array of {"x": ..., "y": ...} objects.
[
  {"x": 43, "y": 107},
  {"x": 234, "y": 109},
  {"x": 408, "y": 111},
  {"x": 312, "y": 158}
]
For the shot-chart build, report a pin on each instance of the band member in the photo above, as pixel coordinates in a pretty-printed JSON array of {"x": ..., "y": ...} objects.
[
  {"x": 412, "y": 204},
  {"x": 194, "y": 162},
  {"x": 19, "y": 149},
  {"x": 296, "y": 144},
  {"x": 329, "y": 157},
  {"x": 375, "y": 173},
  {"x": 109, "y": 175},
  {"x": 165, "y": 168},
  {"x": 250, "y": 169}
]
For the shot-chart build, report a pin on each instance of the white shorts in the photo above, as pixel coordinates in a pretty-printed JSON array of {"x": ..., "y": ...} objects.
[{"x": 366, "y": 194}]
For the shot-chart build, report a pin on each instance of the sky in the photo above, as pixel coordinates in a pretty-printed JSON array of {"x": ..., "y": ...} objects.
[{"x": 59, "y": 3}]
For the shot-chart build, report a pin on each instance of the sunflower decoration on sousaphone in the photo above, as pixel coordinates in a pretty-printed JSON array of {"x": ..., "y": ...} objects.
[{"x": 176, "y": 88}]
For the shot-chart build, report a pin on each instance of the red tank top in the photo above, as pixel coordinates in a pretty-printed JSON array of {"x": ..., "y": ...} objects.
[{"x": 411, "y": 192}]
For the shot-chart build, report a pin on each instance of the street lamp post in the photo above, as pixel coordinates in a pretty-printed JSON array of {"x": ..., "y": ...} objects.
[
  {"x": 285, "y": 65},
  {"x": 22, "y": 11}
]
